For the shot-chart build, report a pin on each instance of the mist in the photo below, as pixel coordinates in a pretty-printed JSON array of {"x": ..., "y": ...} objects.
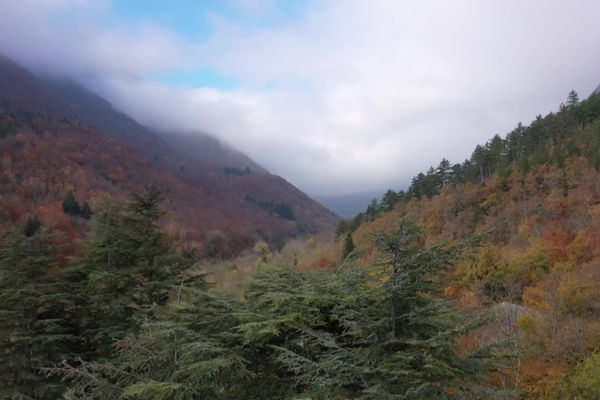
[{"x": 342, "y": 97}]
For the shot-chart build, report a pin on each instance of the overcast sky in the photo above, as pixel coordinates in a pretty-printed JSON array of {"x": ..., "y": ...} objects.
[{"x": 335, "y": 96}]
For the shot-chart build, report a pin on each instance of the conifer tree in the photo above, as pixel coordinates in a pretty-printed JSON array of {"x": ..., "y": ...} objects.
[
  {"x": 349, "y": 247},
  {"x": 390, "y": 198},
  {"x": 86, "y": 211},
  {"x": 128, "y": 269},
  {"x": 71, "y": 205},
  {"x": 190, "y": 350},
  {"x": 36, "y": 316},
  {"x": 32, "y": 225},
  {"x": 363, "y": 333}
]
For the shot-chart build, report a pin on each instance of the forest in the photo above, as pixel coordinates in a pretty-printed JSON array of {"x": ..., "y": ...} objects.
[
  {"x": 479, "y": 281},
  {"x": 130, "y": 317},
  {"x": 532, "y": 197}
]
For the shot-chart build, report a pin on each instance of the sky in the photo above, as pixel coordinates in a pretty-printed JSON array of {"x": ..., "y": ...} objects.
[{"x": 336, "y": 96}]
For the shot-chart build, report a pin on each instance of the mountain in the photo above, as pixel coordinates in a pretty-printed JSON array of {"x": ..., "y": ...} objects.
[
  {"x": 348, "y": 205},
  {"x": 530, "y": 201},
  {"x": 96, "y": 112},
  {"x": 77, "y": 141}
]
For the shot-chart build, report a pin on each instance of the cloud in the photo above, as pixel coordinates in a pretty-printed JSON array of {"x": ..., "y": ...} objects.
[{"x": 346, "y": 97}]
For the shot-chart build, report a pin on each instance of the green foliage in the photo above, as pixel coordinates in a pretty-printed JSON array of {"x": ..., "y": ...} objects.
[
  {"x": 362, "y": 333},
  {"x": 237, "y": 171},
  {"x": 583, "y": 382},
  {"x": 86, "y": 211},
  {"x": 548, "y": 139},
  {"x": 190, "y": 350},
  {"x": 32, "y": 225},
  {"x": 281, "y": 209},
  {"x": 36, "y": 314},
  {"x": 72, "y": 207},
  {"x": 348, "y": 249},
  {"x": 127, "y": 269}
]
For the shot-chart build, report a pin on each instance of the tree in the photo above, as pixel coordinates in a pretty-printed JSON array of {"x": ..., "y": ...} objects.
[
  {"x": 444, "y": 170},
  {"x": 36, "y": 317},
  {"x": 372, "y": 210},
  {"x": 190, "y": 350},
  {"x": 349, "y": 247},
  {"x": 572, "y": 99},
  {"x": 583, "y": 382},
  {"x": 86, "y": 211},
  {"x": 127, "y": 269},
  {"x": 390, "y": 198},
  {"x": 480, "y": 158},
  {"x": 304, "y": 334},
  {"x": 342, "y": 227},
  {"x": 32, "y": 225},
  {"x": 71, "y": 205}
]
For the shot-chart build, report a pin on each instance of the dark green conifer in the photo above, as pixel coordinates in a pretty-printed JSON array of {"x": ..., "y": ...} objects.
[
  {"x": 128, "y": 269},
  {"x": 356, "y": 332},
  {"x": 71, "y": 205},
  {"x": 86, "y": 211},
  {"x": 349, "y": 247},
  {"x": 32, "y": 225},
  {"x": 36, "y": 318}
]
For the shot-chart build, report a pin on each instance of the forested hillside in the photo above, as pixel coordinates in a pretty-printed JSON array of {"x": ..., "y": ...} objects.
[
  {"x": 131, "y": 317},
  {"x": 533, "y": 196},
  {"x": 58, "y": 138}
]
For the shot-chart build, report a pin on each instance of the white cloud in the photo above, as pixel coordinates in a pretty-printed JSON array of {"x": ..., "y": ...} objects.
[{"x": 353, "y": 95}]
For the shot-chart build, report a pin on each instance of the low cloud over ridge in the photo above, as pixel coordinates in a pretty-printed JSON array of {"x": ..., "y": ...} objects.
[{"x": 347, "y": 95}]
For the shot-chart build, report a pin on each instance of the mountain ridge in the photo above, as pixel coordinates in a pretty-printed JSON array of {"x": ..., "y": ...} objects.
[{"x": 216, "y": 191}]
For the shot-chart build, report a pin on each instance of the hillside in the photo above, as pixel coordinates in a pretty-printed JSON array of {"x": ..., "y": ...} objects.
[
  {"x": 534, "y": 198},
  {"x": 76, "y": 140}
]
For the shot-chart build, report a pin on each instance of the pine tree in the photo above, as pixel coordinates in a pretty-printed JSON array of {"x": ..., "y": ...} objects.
[
  {"x": 190, "y": 350},
  {"x": 71, "y": 205},
  {"x": 36, "y": 317},
  {"x": 128, "y": 269},
  {"x": 86, "y": 211},
  {"x": 390, "y": 198},
  {"x": 364, "y": 333},
  {"x": 349, "y": 247},
  {"x": 32, "y": 225},
  {"x": 444, "y": 171},
  {"x": 572, "y": 99}
]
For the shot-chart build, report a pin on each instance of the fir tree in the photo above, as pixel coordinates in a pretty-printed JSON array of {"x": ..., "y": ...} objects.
[
  {"x": 71, "y": 205},
  {"x": 127, "y": 268},
  {"x": 32, "y": 225},
  {"x": 86, "y": 211},
  {"x": 349, "y": 247},
  {"x": 36, "y": 316},
  {"x": 356, "y": 332},
  {"x": 390, "y": 198}
]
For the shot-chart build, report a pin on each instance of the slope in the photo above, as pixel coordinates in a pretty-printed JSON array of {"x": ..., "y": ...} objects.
[
  {"x": 232, "y": 197},
  {"x": 534, "y": 195}
]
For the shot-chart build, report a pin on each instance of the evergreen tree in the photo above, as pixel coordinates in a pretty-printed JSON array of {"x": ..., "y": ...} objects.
[
  {"x": 572, "y": 99},
  {"x": 36, "y": 317},
  {"x": 444, "y": 171},
  {"x": 372, "y": 210},
  {"x": 390, "y": 198},
  {"x": 86, "y": 211},
  {"x": 342, "y": 227},
  {"x": 349, "y": 247},
  {"x": 32, "y": 225},
  {"x": 71, "y": 205},
  {"x": 356, "y": 332},
  {"x": 127, "y": 269},
  {"x": 191, "y": 350}
]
